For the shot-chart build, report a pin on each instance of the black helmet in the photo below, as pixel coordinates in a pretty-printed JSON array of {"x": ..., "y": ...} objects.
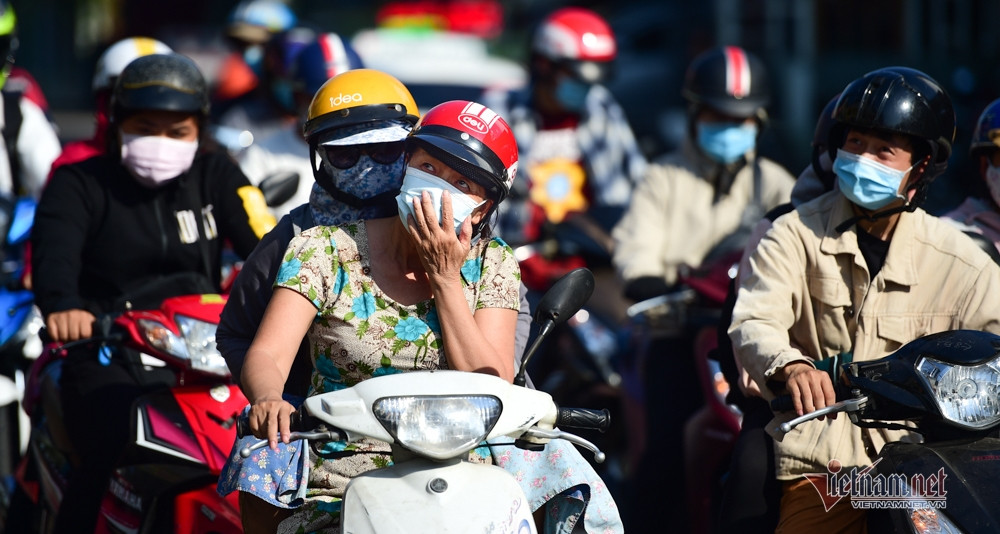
[
  {"x": 730, "y": 80},
  {"x": 821, "y": 136},
  {"x": 986, "y": 136},
  {"x": 165, "y": 82},
  {"x": 904, "y": 101},
  {"x": 899, "y": 100}
]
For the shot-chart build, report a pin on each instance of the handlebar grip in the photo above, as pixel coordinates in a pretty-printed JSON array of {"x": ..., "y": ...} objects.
[
  {"x": 299, "y": 421},
  {"x": 243, "y": 426},
  {"x": 782, "y": 403},
  {"x": 584, "y": 418}
]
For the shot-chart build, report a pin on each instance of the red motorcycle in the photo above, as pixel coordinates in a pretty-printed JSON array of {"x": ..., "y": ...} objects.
[
  {"x": 181, "y": 433},
  {"x": 686, "y": 320}
]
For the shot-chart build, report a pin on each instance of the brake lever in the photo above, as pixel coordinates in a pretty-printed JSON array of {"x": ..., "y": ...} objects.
[
  {"x": 846, "y": 406},
  {"x": 599, "y": 456},
  {"x": 328, "y": 435}
]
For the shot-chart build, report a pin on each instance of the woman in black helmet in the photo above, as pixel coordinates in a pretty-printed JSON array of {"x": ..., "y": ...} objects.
[
  {"x": 854, "y": 275},
  {"x": 127, "y": 229}
]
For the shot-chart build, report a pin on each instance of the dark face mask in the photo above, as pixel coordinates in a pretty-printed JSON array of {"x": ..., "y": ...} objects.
[{"x": 366, "y": 184}]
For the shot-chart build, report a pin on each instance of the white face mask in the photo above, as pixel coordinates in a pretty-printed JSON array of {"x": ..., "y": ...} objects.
[
  {"x": 416, "y": 181},
  {"x": 155, "y": 160},
  {"x": 993, "y": 183}
]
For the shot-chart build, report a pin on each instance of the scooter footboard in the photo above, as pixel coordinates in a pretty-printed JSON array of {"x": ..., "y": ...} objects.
[{"x": 425, "y": 496}]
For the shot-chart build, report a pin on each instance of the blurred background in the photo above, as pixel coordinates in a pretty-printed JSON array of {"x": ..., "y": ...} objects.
[{"x": 452, "y": 49}]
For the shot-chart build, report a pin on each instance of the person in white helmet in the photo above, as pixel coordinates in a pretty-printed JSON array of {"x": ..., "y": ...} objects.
[{"x": 109, "y": 65}]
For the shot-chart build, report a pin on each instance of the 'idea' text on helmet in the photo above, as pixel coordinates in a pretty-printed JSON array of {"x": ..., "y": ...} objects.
[{"x": 346, "y": 99}]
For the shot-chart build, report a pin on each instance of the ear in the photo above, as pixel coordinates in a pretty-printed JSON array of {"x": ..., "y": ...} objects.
[
  {"x": 481, "y": 211},
  {"x": 918, "y": 172}
]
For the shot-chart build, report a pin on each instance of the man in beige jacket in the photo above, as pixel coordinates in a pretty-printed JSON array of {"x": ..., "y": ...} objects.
[
  {"x": 854, "y": 275},
  {"x": 693, "y": 206}
]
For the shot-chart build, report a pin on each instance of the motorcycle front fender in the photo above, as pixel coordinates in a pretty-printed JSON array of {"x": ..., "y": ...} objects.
[{"x": 441, "y": 497}]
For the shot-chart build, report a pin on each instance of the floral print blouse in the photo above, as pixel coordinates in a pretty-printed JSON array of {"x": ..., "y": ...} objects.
[{"x": 359, "y": 332}]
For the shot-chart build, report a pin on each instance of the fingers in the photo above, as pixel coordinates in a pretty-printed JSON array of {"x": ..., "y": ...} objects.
[
  {"x": 811, "y": 390},
  {"x": 55, "y": 328},
  {"x": 70, "y": 325},
  {"x": 465, "y": 234},
  {"x": 829, "y": 394},
  {"x": 425, "y": 213},
  {"x": 271, "y": 420},
  {"x": 797, "y": 397},
  {"x": 419, "y": 219},
  {"x": 446, "y": 208}
]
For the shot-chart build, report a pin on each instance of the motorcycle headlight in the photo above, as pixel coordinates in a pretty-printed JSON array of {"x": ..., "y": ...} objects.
[
  {"x": 195, "y": 344},
  {"x": 932, "y": 521},
  {"x": 438, "y": 427},
  {"x": 966, "y": 395}
]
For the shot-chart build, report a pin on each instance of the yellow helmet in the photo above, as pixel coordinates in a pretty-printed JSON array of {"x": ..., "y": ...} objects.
[{"x": 355, "y": 97}]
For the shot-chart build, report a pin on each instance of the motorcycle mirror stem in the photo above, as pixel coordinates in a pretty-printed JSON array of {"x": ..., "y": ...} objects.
[{"x": 566, "y": 296}]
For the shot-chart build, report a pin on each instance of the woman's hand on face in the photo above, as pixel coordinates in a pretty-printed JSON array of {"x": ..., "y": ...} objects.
[
  {"x": 270, "y": 417},
  {"x": 441, "y": 251}
]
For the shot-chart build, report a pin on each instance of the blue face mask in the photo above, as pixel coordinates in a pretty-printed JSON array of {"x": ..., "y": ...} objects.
[
  {"x": 253, "y": 56},
  {"x": 572, "y": 94},
  {"x": 726, "y": 142},
  {"x": 364, "y": 191},
  {"x": 866, "y": 182},
  {"x": 417, "y": 181}
]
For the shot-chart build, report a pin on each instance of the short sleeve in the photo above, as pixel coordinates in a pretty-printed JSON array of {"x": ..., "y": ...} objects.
[
  {"x": 311, "y": 266},
  {"x": 496, "y": 276}
]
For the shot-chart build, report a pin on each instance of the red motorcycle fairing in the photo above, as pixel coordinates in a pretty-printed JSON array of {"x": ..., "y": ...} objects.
[
  {"x": 164, "y": 498},
  {"x": 182, "y": 439}
]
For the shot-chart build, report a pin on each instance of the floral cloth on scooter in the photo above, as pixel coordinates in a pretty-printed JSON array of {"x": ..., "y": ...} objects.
[{"x": 362, "y": 333}]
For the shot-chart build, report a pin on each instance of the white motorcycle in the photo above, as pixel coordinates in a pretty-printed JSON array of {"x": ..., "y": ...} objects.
[{"x": 432, "y": 419}]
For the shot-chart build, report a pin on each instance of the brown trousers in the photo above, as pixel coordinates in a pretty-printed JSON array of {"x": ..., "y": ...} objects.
[{"x": 802, "y": 511}]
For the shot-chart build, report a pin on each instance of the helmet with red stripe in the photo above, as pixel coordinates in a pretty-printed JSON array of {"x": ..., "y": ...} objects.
[
  {"x": 578, "y": 39},
  {"x": 327, "y": 56},
  {"x": 472, "y": 139},
  {"x": 729, "y": 80}
]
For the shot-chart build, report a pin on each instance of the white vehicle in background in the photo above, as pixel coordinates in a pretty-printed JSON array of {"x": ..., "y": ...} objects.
[{"x": 437, "y": 66}]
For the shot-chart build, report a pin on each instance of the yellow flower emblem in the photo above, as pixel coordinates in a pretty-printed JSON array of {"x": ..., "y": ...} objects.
[{"x": 557, "y": 187}]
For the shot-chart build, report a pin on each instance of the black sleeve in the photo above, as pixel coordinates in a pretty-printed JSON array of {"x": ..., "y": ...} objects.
[
  {"x": 62, "y": 221},
  {"x": 248, "y": 299},
  {"x": 240, "y": 210},
  {"x": 646, "y": 287}
]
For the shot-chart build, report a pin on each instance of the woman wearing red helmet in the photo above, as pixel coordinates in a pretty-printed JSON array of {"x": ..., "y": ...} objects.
[{"x": 451, "y": 298}]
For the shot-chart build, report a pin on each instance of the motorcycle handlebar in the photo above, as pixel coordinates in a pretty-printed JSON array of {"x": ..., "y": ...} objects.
[
  {"x": 299, "y": 422},
  {"x": 584, "y": 418},
  {"x": 783, "y": 403}
]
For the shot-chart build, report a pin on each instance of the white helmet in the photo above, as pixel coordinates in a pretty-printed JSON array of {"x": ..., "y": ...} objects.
[{"x": 117, "y": 56}]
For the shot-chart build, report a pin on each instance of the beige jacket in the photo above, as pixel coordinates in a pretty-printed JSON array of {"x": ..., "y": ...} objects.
[
  {"x": 809, "y": 296},
  {"x": 671, "y": 220}
]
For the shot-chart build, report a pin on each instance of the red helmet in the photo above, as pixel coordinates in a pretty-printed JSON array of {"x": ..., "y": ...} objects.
[
  {"x": 472, "y": 139},
  {"x": 579, "y": 39}
]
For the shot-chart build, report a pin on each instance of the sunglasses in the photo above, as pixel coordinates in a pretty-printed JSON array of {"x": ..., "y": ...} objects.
[{"x": 345, "y": 157}]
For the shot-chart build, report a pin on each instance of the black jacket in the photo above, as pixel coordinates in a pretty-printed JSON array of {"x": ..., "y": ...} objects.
[{"x": 100, "y": 238}]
